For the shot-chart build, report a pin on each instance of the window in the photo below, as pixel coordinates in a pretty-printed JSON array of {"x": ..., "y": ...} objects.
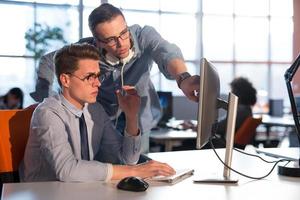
[{"x": 251, "y": 38}]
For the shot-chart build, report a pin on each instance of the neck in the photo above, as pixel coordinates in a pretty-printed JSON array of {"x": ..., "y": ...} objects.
[{"x": 77, "y": 103}]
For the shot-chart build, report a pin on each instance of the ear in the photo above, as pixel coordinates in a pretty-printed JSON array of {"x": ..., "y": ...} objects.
[{"x": 65, "y": 80}]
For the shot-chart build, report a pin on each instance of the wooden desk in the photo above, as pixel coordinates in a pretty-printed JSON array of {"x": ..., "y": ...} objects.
[
  {"x": 203, "y": 161},
  {"x": 169, "y": 137}
]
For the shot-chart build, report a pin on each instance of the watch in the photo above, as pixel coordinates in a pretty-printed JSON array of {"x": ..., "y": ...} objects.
[{"x": 182, "y": 77}]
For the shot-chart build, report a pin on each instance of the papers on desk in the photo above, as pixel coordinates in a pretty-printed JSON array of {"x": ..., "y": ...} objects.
[{"x": 179, "y": 176}]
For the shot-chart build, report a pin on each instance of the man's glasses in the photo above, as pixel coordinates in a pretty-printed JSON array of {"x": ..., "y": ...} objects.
[
  {"x": 112, "y": 41},
  {"x": 90, "y": 78}
]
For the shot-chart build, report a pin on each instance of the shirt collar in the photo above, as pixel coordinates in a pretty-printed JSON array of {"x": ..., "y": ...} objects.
[{"x": 77, "y": 112}]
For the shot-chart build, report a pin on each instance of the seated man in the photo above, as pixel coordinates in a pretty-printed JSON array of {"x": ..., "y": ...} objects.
[{"x": 72, "y": 138}]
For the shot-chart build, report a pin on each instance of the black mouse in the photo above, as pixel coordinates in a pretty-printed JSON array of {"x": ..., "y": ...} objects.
[{"x": 132, "y": 183}]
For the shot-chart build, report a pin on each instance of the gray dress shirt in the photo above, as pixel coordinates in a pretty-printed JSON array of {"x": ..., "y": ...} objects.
[
  {"x": 148, "y": 46},
  {"x": 53, "y": 149}
]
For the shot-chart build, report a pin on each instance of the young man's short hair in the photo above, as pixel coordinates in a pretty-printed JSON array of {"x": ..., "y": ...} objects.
[
  {"x": 66, "y": 59},
  {"x": 104, "y": 13}
]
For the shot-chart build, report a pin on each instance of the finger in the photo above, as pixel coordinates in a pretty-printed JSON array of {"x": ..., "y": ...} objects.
[
  {"x": 119, "y": 95},
  {"x": 131, "y": 91},
  {"x": 128, "y": 87}
]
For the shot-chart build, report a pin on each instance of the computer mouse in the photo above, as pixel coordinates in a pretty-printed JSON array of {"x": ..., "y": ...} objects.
[{"x": 132, "y": 183}]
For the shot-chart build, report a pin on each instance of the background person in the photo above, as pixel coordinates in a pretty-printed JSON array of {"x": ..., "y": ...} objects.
[{"x": 13, "y": 99}]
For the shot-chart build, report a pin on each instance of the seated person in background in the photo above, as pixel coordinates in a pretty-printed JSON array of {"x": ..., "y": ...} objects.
[
  {"x": 71, "y": 136},
  {"x": 244, "y": 89},
  {"x": 12, "y": 100}
]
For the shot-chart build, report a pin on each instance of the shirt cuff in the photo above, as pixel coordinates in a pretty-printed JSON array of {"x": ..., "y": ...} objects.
[{"x": 109, "y": 172}]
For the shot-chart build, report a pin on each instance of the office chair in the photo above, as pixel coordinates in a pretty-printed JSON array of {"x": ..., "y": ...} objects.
[
  {"x": 246, "y": 133},
  {"x": 14, "y": 126}
]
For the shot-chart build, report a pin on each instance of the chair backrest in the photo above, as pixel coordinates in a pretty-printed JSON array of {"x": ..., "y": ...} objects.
[
  {"x": 246, "y": 133},
  {"x": 14, "y": 132}
]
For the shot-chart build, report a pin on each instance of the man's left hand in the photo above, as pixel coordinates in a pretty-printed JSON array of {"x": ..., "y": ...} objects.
[{"x": 190, "y": 87}]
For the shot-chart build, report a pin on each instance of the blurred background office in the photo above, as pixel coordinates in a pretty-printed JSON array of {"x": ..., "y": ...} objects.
[{"x": 257, "y": 39}]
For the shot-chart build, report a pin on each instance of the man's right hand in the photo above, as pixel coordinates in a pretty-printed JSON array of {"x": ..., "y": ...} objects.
[{"x": 152, "y": 168}]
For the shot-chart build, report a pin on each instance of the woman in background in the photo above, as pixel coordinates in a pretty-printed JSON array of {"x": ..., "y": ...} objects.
[
  {"x": 12, "y": 100},
  {"x": 244, "y": 89}
]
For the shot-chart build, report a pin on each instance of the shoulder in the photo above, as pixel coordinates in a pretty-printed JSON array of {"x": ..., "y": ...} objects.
[
  {"x": 50, "y": 107},
  {"x": 141, "y": 31}
]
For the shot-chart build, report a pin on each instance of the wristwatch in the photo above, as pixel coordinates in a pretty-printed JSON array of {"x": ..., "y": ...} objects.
[{"x": 181, "y": 77}]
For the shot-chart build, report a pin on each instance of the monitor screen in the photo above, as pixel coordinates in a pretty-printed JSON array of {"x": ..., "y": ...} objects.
[
  {"x": 166, "y": 103},
  {"x": 208, "y": 96}
]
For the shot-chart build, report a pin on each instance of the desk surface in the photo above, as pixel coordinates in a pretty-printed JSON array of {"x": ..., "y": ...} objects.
[
  {"x": 285, "y": 121},
  {"x": 204, "y": 162}
]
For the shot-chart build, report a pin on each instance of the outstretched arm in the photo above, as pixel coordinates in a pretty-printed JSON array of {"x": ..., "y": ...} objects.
[{"x": 188, "y": 85}]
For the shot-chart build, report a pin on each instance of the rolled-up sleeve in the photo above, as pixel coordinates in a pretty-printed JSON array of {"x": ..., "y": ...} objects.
[{"x": 160, "y": 49}]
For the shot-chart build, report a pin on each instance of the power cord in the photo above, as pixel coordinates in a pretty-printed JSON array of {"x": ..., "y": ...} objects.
[
  {"x": 248, "y": 154},
  {"x": 242, "y": 174}
]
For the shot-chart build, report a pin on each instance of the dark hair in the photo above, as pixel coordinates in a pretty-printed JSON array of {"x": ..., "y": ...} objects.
[
  {"x": 66, "y": 59},
  {"x": 243, "y": 88},
  {"x": 18, "y": 93},
  {"x": 105, "y": 12}
]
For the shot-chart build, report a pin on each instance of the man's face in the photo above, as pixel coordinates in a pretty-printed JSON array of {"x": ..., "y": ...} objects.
[
  {"x": 114, "y": 37},
  {"x": 82, "y": 85}
]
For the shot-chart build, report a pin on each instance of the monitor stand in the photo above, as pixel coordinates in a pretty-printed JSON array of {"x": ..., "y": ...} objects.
[{"x": 230, "y": 129}]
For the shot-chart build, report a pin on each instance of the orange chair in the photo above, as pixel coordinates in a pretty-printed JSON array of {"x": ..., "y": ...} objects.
[
  {"x": 14, "y": 132},
  {"x": 246, "y": 133}
]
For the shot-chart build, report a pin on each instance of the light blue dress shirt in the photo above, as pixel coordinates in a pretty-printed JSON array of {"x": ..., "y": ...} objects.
[{"x": 53, "y": 149}]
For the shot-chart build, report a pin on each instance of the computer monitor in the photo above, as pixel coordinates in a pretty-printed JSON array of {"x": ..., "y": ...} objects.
[
  {"x": 166, "y": 103},
  {"x": 209, "y": 103},
  {"x": 292, "y": 78}
]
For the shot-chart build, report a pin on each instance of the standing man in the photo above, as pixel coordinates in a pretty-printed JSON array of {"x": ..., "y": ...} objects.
[
  {"x": 127, "y": 54},
  {"x": 72, "y": 138}
]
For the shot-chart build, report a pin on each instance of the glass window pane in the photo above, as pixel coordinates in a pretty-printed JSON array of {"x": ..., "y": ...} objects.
[
  {"x": 181, "y": 30},
  {"x": 94, "y": 3},
  {"x": 217, "y": 6},
  {"x": 136, "y": 4},
  {"x": 281, "y": 8},
  {"x": 278, "y": 86},
  {"x": 281, "y": 39},
  {"x": 251, "y": 39},
  {"x": 225, "y": 72},
  {"x": 18, "y": 72},
  {"x": 71, "y": 2},
  {"x": 52, "y": 17},
  {"x": 142, "y": 19},
  {"x": 86, "y": 30},
  {"x": 251, "y": 7},
  {"x": 13, "y": 29},
  {"x": 190, "y": 6},
  {"x": 256, "y": 73},
  {"x": 171, "y": 85},
  {"x": 218, "y": 38}
]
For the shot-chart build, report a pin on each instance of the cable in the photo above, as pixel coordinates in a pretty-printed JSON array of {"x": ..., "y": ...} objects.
[
  {"x": 122, "y": 84},
  {"x": 249, "y": 154},
  {"x": 242, "y": 174}
]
